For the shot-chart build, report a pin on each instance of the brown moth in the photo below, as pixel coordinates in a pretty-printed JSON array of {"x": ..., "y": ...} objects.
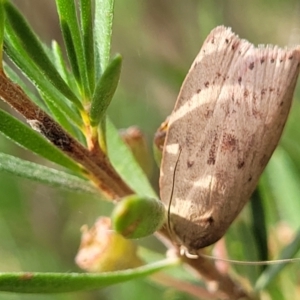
[{"x": 226, "y": 123}]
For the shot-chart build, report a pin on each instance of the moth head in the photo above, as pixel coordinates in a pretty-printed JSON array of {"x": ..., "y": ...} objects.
[{"x": 195, "y": 234}]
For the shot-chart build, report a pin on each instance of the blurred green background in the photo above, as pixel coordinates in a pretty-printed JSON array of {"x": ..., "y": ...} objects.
[{"x": 40, "y": 226}]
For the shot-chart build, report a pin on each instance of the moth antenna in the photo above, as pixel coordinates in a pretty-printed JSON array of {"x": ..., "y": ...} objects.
[
  {"x": 256, "y": 263},
  {"x": 170, "y": 201}
]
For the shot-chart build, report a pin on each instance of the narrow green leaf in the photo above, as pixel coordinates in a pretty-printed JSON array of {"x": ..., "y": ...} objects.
[
  {"x": 72, "y": 282},
  {"x": 126, "y": 165},
  {"x": 2, "y": 22},
  {"x": 45, "y": 175},
  {"x": 33, "y": 47},
  {"x": 86, "y": 18},
  {"x": 105, "y": 90},
  {"x": 273, "y": 270},
  {"x": 17, "y": 54},
  {"x": 61, "y": 67},
  {"x": 241, "y": 245},
  {"x": 73, "y": 42},
  {"x": 271, "y": 212},
  {"x": 69, "y": 78},
  {"x": 259, "y": 226},
  {"x": 29, "y": 139},
  {"x": 284, "y": 179},
  {"x": 70, "y": 50},
  {"x": 103, "y": 30}
]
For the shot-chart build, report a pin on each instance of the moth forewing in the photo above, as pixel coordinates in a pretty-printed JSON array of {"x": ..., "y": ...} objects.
[{"x": 226, "y": 123}]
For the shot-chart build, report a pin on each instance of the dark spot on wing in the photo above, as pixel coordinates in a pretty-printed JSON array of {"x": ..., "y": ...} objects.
[
  {"x": 212, "y": 156},
  {"x": 210, "y": 220},
  {"x": 228, "y": 142},
  {"x": 212, "y": 152},
  {"x": 208, "y": 113},
  {"x": 278, "y": 91},
  {"x": 263, "y": 91},
  {"x": 251, "y": 66},
  {"x": 241, "y": 163},
  {"x": 262, "y": 60},
  {"x": 206, "y": 84},
  {"x": 240, "y": 80},
  {"x": 190, "y": 163},
  {"x": 272, "y": 60}
]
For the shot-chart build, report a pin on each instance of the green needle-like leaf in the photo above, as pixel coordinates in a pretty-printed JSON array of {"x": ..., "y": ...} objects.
[
  {"x": 282, "y": 170},
  {"x": 14, "y": 50},
  {"x": 259, "y": 226},
  {"x": 86, "y": 18},
  {"x": 59, "y": 115},
  {"x": 29, "y": 139},
  {"x": 73, "y": 41},
  {"x": 104, "y": 12},
  {"x": 70, "y": 50},
  {"x": 72, "y": 282},
  {"x": 105, "y": 90},
  {"x": 33, "y": 47},
  {"x": 2, "y": 21},
  {"x": 60, "y": 64},
  {"x": 45, "y": 175}
]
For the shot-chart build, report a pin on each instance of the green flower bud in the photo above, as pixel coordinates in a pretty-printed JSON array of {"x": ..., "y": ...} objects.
[{"x": 135, "y": 216}]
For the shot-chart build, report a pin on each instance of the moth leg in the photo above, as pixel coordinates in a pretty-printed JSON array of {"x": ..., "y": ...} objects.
[{"x": 185, "y": 252}]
